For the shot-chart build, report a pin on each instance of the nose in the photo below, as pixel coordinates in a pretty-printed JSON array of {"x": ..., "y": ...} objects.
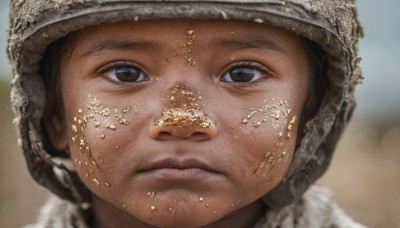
[
  {"x": 183, "y": 117},
  {"x": 171, "y": 132}
]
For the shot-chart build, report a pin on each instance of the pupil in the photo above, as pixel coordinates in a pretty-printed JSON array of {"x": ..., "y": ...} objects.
[
  {"x": 127, "y": 74},
  {"x": 242, "y": 74}
]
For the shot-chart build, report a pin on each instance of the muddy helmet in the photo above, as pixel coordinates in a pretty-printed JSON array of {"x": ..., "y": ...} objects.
[{"x": 332, "y": 24}]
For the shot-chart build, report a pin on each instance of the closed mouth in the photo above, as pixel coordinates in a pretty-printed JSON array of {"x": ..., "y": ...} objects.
[{"x": 178, "y": 170}]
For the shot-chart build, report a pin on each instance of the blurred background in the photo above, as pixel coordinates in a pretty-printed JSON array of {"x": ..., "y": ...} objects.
[{"x": 365, "y": 172}]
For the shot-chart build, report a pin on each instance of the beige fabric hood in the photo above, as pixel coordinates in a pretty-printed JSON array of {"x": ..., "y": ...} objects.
[{"x": 332, "y": 24}]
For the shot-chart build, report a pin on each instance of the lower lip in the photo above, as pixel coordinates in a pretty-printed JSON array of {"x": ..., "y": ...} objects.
[{"x": 189, "y": 174}]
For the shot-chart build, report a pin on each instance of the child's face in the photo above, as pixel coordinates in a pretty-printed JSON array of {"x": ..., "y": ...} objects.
[{"x": 182, "y": 122}]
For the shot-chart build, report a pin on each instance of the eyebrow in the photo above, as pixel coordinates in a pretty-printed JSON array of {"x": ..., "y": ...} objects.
[
  {"x": 251, "y": 43},
  {"x": 118, "y": 44}
]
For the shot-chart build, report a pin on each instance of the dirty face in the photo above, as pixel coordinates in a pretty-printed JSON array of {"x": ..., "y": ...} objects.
[{"x": 182, "y": 123}]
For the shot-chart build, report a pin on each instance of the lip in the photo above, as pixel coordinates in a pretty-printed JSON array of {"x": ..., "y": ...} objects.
[{"x": 173, "y": 169}]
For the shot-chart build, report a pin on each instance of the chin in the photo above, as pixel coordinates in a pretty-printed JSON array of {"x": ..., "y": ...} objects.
[{"x": 181, "y": 218}]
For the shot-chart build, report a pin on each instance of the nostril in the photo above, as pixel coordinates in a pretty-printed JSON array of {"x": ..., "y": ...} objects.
[
  {"x": 196, "y": 134},
  {"x": 164, "y": 134},
  {"x": 160, "y": 134},
  {"x": 170, "y": 132}
]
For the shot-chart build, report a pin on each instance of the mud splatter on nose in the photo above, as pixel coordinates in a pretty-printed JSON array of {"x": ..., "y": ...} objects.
[{"x": 184, "y": 109}]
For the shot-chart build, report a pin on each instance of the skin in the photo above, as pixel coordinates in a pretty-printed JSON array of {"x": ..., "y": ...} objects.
[{"x": 130, "y": 188}]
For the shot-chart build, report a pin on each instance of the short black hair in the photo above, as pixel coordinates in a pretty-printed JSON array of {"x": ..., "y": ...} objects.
[{"x": 50, "y": 71}]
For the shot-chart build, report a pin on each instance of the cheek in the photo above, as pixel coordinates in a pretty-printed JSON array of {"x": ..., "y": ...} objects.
[
  {"x": 266, "y": 135},
  {"x": 98, "y": 131}
]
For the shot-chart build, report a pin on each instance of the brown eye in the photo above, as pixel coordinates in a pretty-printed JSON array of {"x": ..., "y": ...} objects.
[
  {"x": 125, "y": 74},
  {"x": 242, "y": 74}
]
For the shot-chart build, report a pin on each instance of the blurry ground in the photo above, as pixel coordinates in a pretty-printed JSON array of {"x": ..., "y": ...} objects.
[{"x": 365, "y": 174}]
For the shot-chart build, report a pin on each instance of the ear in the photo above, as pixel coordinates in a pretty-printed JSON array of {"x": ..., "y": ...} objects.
[{"x": 56, "y": 129}]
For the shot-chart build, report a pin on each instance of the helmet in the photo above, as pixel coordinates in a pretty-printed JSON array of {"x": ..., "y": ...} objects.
[{"x": 332, "y": 24}]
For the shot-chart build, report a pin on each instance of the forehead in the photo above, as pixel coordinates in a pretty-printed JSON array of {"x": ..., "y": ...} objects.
[{"x": 170, "y": 33}]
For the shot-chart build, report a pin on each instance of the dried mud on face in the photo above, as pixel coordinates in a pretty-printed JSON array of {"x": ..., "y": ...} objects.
[{"x": 364, "y": 174}]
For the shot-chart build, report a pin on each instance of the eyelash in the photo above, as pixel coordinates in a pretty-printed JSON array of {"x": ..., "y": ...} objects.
[
  {"x": 265, "y": 71},
  {"x": 120, "y": 64}
]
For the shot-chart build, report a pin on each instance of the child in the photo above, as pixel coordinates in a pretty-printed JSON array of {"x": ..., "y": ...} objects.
[{"x": 183, "y": 113}]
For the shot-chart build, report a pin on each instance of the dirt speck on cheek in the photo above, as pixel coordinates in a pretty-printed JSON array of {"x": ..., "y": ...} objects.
[
  {"x": 172, "y": 211},
  {"x": 96, "y": 182},
  {"x": 151, "y": 194},
  {"x": 276, "y": 112},
  {"x": 101, "y": 119}
]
